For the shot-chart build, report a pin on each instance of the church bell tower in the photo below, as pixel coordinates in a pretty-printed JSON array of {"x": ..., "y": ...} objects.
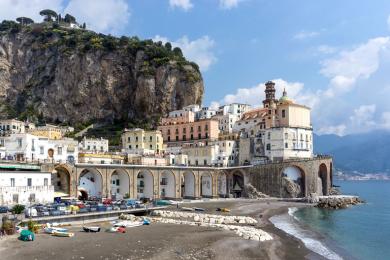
[{"x": 269, "y": 94}]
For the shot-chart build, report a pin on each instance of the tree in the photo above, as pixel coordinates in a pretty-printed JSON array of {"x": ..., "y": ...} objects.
[
  {"x": 24, "y": 20},
  {"x": 177, "y": 51},
  {"x": 84, "y": 26},
  {"x": 168, "y": 45},
  {"x": 49, "y": 15},
  {"x": 69, "y": 19}
]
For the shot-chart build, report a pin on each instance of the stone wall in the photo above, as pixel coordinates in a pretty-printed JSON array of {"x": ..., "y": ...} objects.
[{"x": 268, "y": 178}]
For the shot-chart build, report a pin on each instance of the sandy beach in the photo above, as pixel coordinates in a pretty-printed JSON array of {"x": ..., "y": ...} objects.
[{"x": 169, "y": 241}]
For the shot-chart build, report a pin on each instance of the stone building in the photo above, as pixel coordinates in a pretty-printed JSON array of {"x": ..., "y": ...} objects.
[{"x": 139, "y": 141}]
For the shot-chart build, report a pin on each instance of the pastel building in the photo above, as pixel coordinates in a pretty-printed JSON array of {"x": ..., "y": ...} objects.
[
  {"x": 139, "y": 141},
  {"x": 280, "y": 130},
  {"x": 22, "y": 187},
  {"x": 93, "y": 145},
  {"x": 13, "y": 126}
]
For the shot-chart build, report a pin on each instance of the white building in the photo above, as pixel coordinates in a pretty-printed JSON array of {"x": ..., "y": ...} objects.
[
  {"x": 177, "y": 159},
  {"x": 205, "y": 113},
  {"x": 28, "y": 147},
  {"x": 18, "y": 187},
  {"x": 93, "y": 145},
  {"x": 13, "y": 126}
]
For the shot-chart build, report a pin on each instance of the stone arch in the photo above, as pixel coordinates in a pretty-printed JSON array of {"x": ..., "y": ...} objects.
[
  {"x": 293, "y": 182},
  {"x": 206, "y": 186},
  {"x": 119, "y": 184},
  {"x": 167, "y": 185},
  {"x": 322, "y": 180},
  {"x": 237, "y": 184},
  {"x": 188, "y": 185},
  {"x": 145, "y": 185},
  {"x": 61, "y": 181},
  {"x": 222, "y": 184},
  {"x": 90, "y": 183}
]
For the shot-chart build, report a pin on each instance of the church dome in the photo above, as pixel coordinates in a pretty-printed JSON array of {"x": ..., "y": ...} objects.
[{"x": 285, "y": 98}]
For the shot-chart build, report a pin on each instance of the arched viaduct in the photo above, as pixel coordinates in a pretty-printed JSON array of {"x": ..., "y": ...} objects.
[{"x": 174, "y": 182}]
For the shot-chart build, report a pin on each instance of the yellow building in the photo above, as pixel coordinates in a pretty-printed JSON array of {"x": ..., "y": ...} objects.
[
  {"x": 49, "y": 131},
  {"x": 140, "y": 141}
]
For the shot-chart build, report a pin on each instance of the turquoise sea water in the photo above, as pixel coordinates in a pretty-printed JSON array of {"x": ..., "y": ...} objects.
[{"x": 362, "y": 231}]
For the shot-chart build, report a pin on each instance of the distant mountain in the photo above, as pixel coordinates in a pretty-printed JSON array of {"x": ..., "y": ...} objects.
[{"x": 366, "y": 153}]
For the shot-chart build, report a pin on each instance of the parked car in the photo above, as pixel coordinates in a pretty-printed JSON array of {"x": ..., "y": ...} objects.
[
  {"x": 30, "y": 212},
  {"x": 4, "y": 209}
]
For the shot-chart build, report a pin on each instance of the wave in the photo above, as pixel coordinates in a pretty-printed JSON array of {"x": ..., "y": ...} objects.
[{"x": 286, "y": 223}]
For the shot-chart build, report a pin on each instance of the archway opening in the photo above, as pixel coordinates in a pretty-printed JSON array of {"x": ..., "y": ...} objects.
[
  {"x": 237, "y": 185},
  {"x": 188, "y": 185},
  {"x": 90, "y": 181},
  {"x": 120, "y": 185},
  {"x": 145, "y": 185},
  {"x": 167, "y": 185},
  {"x": 222, "y": 185},
  {"x": 206, "y": 185},
  {"x": 322, "y": 180},
  {"x": 60, "y": 179},
  {"x": 293, "y": 182}
]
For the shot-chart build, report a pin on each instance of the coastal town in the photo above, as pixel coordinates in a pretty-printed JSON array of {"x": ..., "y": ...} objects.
[{"x": 233, "y": 136}]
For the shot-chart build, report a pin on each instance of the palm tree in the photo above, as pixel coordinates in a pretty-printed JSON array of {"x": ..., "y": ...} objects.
[
  {"x": 49, "y": 15},
  {"x": 24, "y": 20}
]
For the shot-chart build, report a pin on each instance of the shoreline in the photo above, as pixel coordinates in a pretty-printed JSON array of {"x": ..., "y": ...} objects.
[{"x": 195, "y": 242}]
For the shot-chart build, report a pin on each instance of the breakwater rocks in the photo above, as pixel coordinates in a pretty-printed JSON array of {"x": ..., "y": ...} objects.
[
  {"x": 338, "y": 202},
  {"x": 231, "y": 223}
]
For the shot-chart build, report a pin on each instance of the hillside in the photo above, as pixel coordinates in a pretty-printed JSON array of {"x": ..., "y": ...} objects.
[
  {"x": 366, "y": 153},
  {"x": 50, "y": 73}
]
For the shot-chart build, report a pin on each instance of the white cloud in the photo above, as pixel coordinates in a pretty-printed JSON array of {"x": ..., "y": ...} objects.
[
  {"x": 349, "y": 66},
  {"x": 229, "y": 4},
  {"x": 103, "y": 16},
  {"x": 326, "y": 49},
  {"x": 363, "y": 117},
  {"x": 199, "y": 50},
  {"x": 184, "y": 4},
  {"x": 11, "y": 9},
  {"x": 305, "y": 35},
  {"x": 255, "y": 95},
  {"x": 337, "y": 130}
]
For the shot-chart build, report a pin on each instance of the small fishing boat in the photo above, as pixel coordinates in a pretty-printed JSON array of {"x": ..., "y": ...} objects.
[
  {"x": 146, "y": 221},
  {"x": 91, "y": 229},
  {"x": 223, "y": 209},
  {"x": 51, "y": 230},
  {"x": 187, "y": 209},
  {"x": 117, "y": 230},
  {"x": 128, "y": 224},
  {"x": 199, "y": 209},
  {"x": 63, "y": 234}
]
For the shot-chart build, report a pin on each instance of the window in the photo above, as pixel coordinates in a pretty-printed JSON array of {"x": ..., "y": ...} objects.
[
  {"x": 45, "y": 181},
  {"x": 177, "y": 138},
  {"x": 199, "y": 136},
  {"x": 192, "y": 137},
  {"x": 269, "y": 135},
  {"x": 15, "y": 198},
  {"x": 29, "y": 182},
  {"x": 177, "y": 131},
  {"x": 33, "y": 145},
  {"x": 20, "y": 141},
  {"x": 283, "y": 113},
  {"x": 32, "y": 197},
  {"x": 192, "y": 129},
  {"x": 196, "y": 162},
  {"x": 117, "y": 182},
  {"x": 129, "y": 146},
  {"x": 164, "y": 181},
  {"x": 184, "y": 130},
  {"x": 94, "y": 147},
  {"x": 184, "y": 137},
  {"x": 206, "y": 127},
  {"x": 205, "y": 162},
  {"x": 199, "y": 128},
  {"x": 268, "y": 147},
  {"x": 151, "y": 147},
  {"x": 128, "y": 139},
  {"x": 150, "y": 138},
  {"x": 286, "y": 136},
  {"x": 169, "y": 138},
  {"x": 286, "y": 145},
  {"x": 269, "y": 111},
  {"x": 136, "y": 138},
  {"x": 41, "y": 150},
  {"x": 136, "y": 146},
  {"x": 12, "y": 182},
  {"x": 169, "y": 131},
  {"x": 59, "y": 150}
]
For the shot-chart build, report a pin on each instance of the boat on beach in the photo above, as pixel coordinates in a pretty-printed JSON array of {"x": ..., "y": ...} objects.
[
  {"x": 187, "y": 209},
  {"x": 128, "y": 224},
  {"x": 199, "y": 209},
  {"x": 51, "y": 230},
  {"x": 91, "y": 229},
  {"x": 63, "y": 234},
  {"x": 117, "y": 230}
]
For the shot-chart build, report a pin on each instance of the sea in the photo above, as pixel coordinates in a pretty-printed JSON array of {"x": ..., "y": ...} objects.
[{"x": 358, "y": 232}]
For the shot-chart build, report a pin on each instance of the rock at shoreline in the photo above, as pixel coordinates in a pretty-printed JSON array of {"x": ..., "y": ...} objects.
[
  {"x": 338, "y": 202},
  {"x": 253, "y": 193}
]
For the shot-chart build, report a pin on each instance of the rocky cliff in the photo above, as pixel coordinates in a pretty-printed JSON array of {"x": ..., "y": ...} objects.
[{"x": 64, "y": 75}]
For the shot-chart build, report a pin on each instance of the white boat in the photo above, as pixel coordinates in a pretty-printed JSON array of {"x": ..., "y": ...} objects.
[
  {"x": 127, "y": 224},
  {"x": 187, "y": 209},
  {"x": 63, "y": 234},
  {"x": 51, "y": 230},
  {"x": 91, "y": 229}
]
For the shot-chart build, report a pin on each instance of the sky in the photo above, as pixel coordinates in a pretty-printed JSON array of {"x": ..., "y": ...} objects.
[{"x": 331, "y": 55}]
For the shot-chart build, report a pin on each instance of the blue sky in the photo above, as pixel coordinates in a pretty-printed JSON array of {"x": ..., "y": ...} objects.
[{"x": 331, "y": 55}]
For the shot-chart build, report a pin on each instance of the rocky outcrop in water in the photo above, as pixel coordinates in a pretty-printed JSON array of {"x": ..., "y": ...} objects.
[
  {"x": 338, "y": 202},
  {"x": 253, "y": 193},
  {"x": 74, "y": 76}
]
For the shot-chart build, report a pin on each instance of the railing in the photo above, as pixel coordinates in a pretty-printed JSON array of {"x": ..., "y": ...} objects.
[{"x": 19, "y": 189}]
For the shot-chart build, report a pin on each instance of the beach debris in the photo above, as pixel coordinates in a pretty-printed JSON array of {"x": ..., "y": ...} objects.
[{"x": 253, "y": 193}]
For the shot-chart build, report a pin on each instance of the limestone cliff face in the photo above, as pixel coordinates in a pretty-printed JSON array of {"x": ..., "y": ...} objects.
[{"x": 77, "y": 76}]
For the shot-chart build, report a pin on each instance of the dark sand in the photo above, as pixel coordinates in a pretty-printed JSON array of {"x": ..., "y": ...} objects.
[{"x": 168, "y": 241}]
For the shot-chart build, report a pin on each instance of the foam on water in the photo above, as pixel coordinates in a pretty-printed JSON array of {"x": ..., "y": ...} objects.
[{"x": 287, "y": 223}]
